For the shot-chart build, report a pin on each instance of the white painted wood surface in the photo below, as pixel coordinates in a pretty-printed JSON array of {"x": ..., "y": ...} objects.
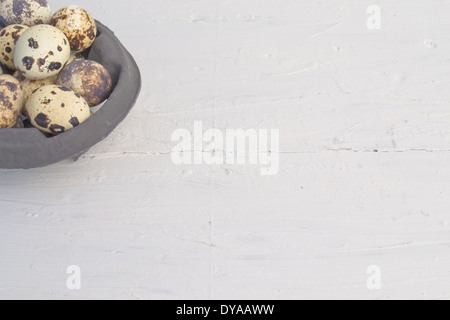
[{"x": 141, "y": 227}]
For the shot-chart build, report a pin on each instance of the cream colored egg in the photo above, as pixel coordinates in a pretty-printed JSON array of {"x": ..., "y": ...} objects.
[
  {"x": 78, "y": 25},
  {"x": 26, "y": 12},
  {"x": 8, "y": 39},
  {"x": 41, "y": 52},
  {"x": 56, "y": 109},
  {"x": 11, "y": 97}
]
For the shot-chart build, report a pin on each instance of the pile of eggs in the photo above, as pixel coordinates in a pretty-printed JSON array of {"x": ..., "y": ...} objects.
[{"x": 46, "y": 81}]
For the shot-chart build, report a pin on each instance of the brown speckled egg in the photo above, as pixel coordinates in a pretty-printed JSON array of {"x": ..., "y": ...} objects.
[
  {"x": 78, "y": 25},
  {"x": 26, "y": 12},
  {"x": 56, "y": 109},
  {"x": 11, "y": 98},
  {"x": 41, "y": 52},
  {"x": 8, "y": 39},
  {"x": 88, "y": 78},
  {"x": 29, "y": 86}
]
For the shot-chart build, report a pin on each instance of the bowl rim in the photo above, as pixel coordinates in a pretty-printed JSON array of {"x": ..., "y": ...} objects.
[{"x": 29, "y": 148}]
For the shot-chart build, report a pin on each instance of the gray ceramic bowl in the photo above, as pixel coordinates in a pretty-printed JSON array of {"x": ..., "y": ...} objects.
[{"x": 29, "y": 148}]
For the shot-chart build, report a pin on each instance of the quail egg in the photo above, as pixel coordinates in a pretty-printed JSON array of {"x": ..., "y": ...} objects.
[
  {"x": 41, "y": 52},
  {"x": 11, "y": 96},
  {"x": 78, "y": 25},
  {"x": 8, "y": 40},
  {"x": 55, "y": 109},
  {"x": 88, "y": 78},
  {"x": 26, "y": 12}
]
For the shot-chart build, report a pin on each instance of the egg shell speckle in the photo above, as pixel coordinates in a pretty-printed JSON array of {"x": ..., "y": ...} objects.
[
  {"x": 88, "y": 78},
  {"x": 55, "y": 109},
  {"x": 8, "y": 39},
  {"x": 11, "y": 97},
  {"x": 41, "y": 52},
  {"x": 26, "y": 12},
  {"x": 78, "y": 25}
]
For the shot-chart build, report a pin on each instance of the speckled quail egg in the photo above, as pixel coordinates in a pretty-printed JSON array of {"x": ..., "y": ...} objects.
[
  {"x": 41, "y": 52},
  {"x": 88, "y": 78},
  {"x": 78, "y": 25},
  {"x": 10, "y": 101},
  {"x": 56, "y": 109},
  {"x": 26, "y": 12},
  {"x": 29, "y": 86},
  {"x": 8, "y": 39}
]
